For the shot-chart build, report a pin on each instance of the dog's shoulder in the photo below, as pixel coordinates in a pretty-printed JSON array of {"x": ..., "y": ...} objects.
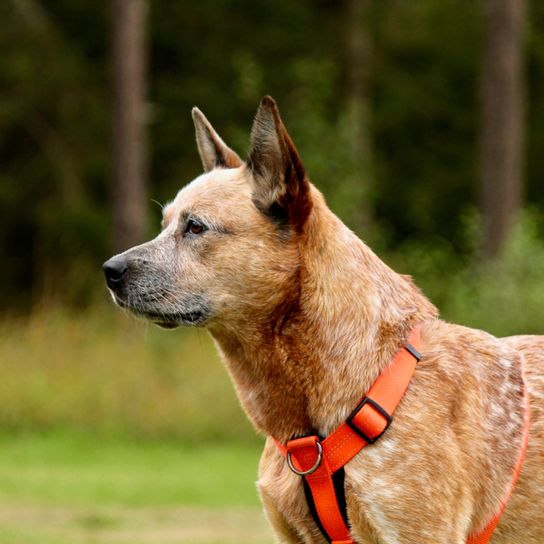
[
  {"x": 462, "y": 351},
  {"x": 532, "y": 346},
  {"x": 470, "y": 381}
]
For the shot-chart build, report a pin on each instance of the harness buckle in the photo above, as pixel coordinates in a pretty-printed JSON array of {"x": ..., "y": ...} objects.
[
  {"x": 413, "y": 351},
  {"x": 311, "y": 469},
  {"x": 357, "y": 430}
]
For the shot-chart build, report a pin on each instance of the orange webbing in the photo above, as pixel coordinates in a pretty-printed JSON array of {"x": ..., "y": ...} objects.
[
  {"x": 387, "y": 390},
  {"x": 345, "y": 442},
  {"x": 485, "y": 535},
  {"x": 304, "y": 454}
]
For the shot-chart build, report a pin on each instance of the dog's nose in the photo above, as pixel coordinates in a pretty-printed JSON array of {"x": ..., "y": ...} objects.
[{"x": 114, "y": 270}]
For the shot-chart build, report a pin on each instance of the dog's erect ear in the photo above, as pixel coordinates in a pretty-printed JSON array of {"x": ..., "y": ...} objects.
[
  {"x": 214, "y": 152},
  {"x": 281, "y": 189}
]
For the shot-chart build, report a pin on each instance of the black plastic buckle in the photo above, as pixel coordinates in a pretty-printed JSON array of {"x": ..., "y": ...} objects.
[
  {"x": 413, "y": 351},
  {"x": 349, "y": 420}
]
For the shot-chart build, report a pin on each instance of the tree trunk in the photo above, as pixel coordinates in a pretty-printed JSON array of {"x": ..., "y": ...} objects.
[
  {"x": 129, "y": 142},
  {"x": 502, "y": 94},
  {"x": 358, "y": 64}
]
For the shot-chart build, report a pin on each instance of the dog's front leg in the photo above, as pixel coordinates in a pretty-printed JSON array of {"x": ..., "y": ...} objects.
[
  {"x": 284, "y": 531},
  {"x": 366, "y": 533},
  {"x": 284, "y": 502}
]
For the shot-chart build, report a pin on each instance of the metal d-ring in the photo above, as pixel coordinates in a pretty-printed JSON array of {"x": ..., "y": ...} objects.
[{"x": 310, "y": 470}]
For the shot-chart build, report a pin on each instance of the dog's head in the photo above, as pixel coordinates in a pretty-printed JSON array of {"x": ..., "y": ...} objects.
[{"x": 228, "y": 247}]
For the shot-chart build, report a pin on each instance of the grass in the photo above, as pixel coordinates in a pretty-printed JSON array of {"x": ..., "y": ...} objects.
[
  {"x": 103, "y": 371},
  {"x": 163, "y": 453},
  {"x": 84, "y": 469},
  {"x": 74, "y": 487}
]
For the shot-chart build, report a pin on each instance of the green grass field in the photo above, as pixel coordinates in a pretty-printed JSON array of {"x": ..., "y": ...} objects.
[
  {"x": 67, "y": 487},
  {"x": 159, "y": 449}
]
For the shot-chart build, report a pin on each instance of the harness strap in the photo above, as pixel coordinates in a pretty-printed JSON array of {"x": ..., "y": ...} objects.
[
  {"x": 304, "y": 451},
  {"x": 321, "y": 463},
  {"x": 318, "y": 461},
  {"x": 338, "y": 481}
]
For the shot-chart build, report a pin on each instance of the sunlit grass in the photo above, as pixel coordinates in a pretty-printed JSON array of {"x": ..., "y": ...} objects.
[
  {"x": 71, "y": 487},
  {"x": 80, "y": 469},
  {"x": 105, "y": 371}
]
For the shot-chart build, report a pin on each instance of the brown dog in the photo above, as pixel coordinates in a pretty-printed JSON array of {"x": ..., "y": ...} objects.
[{"x": 307, "y": 317}]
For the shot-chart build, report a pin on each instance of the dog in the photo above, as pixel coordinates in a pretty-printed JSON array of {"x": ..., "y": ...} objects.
[{"x": 306, "y": 317}]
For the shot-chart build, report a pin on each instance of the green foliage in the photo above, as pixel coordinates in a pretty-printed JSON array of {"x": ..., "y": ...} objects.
[
  {"x": 507, "y": 296},
  {"x": 426, "y": 114},
  {"x": 52, "y": 148},
  {"x": 504, "y": 297},
  {"x": 420, "y": 118}
]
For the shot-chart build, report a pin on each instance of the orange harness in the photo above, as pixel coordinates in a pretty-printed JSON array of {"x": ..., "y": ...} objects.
[{"x": 321, "y": 462}]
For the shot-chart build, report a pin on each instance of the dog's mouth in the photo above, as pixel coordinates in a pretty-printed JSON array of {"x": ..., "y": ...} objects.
[
  {"x": 172, "y": 321},
  {"x": 166, "y": 320}
]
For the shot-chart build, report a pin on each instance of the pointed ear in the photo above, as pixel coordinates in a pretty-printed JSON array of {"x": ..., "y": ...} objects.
[
  {"x": 213, "y": 150},
  {"x": 281, "y": 188}
]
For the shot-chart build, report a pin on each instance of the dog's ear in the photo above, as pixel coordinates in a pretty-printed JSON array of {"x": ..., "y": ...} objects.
[
  {"x": 281, "y": 189},
  {"x": 213, "y": 150}
]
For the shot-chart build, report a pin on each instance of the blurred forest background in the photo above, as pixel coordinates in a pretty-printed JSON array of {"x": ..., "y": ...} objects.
[{"x": 421, "y": 121}]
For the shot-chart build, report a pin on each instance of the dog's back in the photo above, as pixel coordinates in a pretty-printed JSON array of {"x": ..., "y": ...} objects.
[{"x": 525, "y": 506}]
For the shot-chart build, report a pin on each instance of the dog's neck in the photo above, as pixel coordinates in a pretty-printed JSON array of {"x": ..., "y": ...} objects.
[{"x": 303, "y": 368}]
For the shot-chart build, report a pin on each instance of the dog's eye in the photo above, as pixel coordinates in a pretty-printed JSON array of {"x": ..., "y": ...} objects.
[{"x": 194, "y": 227}]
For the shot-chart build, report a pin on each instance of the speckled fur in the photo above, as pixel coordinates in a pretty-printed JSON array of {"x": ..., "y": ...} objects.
[{"x": 306, "y": 316}]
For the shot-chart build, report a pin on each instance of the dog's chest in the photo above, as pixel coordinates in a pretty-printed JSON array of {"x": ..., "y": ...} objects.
[{"x": 367, "y": 493}]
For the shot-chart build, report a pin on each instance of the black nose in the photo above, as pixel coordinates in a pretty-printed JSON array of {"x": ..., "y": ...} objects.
[{"x": 114, "y": 270}]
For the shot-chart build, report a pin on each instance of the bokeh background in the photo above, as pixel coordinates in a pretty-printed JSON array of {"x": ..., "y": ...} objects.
[{"x": 421, "y": 121}]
